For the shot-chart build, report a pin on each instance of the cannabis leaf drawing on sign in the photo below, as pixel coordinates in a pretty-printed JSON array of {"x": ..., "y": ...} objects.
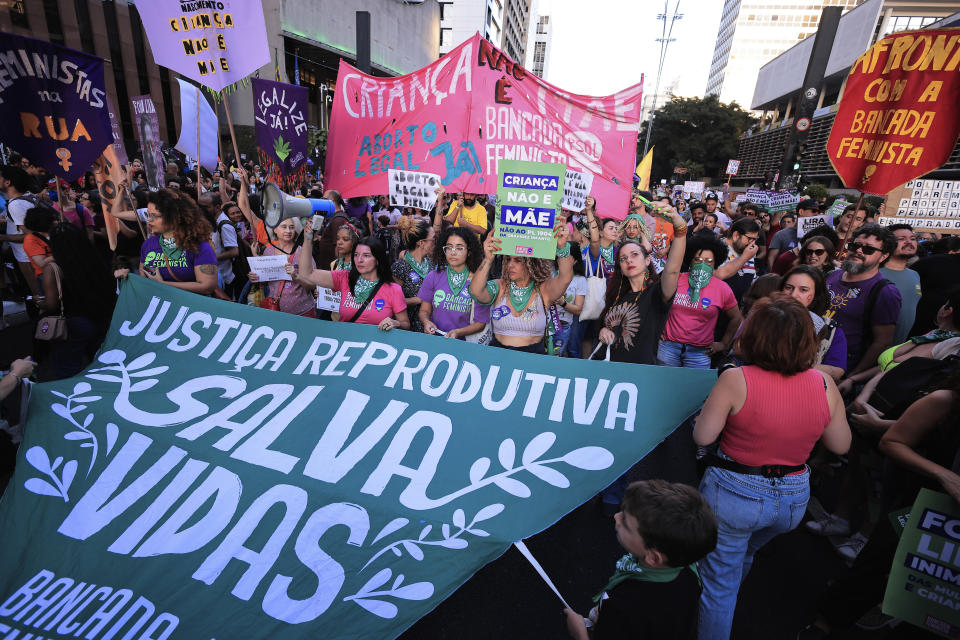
[{"x": 281, "y": 148}]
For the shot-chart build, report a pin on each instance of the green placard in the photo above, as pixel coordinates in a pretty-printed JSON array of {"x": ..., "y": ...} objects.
[
  {"x": 528, "y": 199},
  {"x": 924, "y": 584},
  {"x": 222, "y": 471}
]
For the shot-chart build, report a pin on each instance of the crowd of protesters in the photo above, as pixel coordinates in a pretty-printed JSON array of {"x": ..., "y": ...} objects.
[{"x": 850, "y": 324}]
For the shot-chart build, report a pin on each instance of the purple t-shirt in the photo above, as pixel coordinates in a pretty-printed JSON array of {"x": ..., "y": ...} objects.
[
  {"x": 450, "y": 312},
  {"x": 178, "y": 267},
  {"x": 848, "y": 304}
]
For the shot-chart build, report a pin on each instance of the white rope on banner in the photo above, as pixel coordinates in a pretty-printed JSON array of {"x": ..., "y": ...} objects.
[{"x": 522, "y": 548}]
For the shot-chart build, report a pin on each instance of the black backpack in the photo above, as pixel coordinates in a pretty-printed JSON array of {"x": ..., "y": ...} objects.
[
  {"x": 909, "y": 381},
  {"x": 240, "y": 266},
  {"x": 37, "y": 202}
]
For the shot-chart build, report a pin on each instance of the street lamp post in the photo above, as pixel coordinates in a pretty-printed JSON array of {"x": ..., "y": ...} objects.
[{"x": 664, "y": 41}]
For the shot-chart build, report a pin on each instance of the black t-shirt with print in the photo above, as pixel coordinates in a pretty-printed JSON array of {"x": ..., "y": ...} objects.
[
  {"x": 650, "y": 610},
  {"x": 637, "y": 320}
]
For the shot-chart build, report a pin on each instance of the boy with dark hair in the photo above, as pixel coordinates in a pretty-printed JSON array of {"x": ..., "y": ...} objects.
[{"x": 654, "y": 593}]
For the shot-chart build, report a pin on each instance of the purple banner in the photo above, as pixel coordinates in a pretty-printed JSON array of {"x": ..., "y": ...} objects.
[
  {"x": 215, "y": 43},
  {"x": 117, "y": 136},
  {"x": 148, "y": 133},
  {"x": 280, "y": 112},
  {"x": 53, "y": 107}
]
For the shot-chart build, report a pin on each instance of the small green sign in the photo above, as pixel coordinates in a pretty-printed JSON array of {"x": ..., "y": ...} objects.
[
  {"x": 924, "y": 584},
  {"x": 528, "y": 198}
]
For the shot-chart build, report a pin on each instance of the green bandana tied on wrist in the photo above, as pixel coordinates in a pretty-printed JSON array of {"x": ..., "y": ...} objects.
[{"x": 698, "y": 278}]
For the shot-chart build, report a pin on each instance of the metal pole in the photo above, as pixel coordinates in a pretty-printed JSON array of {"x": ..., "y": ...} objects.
[{"x": 664, "y": 43}]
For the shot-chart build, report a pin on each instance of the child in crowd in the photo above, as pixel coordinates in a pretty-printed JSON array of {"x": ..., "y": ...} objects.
[{"x": 654, "y": 593}]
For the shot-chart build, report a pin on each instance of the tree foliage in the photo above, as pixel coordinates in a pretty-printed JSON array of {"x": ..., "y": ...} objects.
[{"x": 703, "y": 130}]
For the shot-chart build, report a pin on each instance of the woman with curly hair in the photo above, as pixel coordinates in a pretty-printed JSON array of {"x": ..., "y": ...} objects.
[
  {"x": 445, "y": 292},
  {"x": 179, "y": 252},
  {"x": 520, "y": 298},
  {"x": 411, "y": 270},
  {"x": 637, "y": 306}
]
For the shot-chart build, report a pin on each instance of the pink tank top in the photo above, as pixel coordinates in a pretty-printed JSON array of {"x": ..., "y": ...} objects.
[{"x": 782, "y": 419}]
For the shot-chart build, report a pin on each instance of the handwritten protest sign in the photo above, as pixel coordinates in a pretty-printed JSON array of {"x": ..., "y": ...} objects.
[
  {"x": 461, "y": 115},
  {"x": 576, "y": 188},
  {"x": 693, "y": 188},
  {"x": 926, "y": 205},
  {"x": 924, "y": 584},
  {"x": 328, "y": 299},
  {"x": 806, "y": 225},
  {"x": 223, "y": 471},
  {"x": 148, "y": 133},
  {"x": 279, "y": 110},
  {"x": 733, "y": 167},
  {"x": 413, "y": 189},
  {"x": 900, "y": 113},
  {"x": 269, "y": 268},
  {"x": 528, "y": 196},
  {"x": 53, "y": 110},
  {"x": 215, "y": 43},
  {"x": 759, "y": 197}
]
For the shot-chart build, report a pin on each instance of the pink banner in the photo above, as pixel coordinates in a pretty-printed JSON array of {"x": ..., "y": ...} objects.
[{"x": 458, "y": 116}]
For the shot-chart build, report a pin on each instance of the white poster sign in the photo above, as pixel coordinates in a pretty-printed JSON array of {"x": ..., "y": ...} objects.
[
  {"x": 413, "y": 189},
  {"x": 269, "y": 268},
  {"x": 576, "y": 188}
]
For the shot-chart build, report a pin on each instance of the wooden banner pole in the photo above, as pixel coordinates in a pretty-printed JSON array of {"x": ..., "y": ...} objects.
[
  {"x": 233, "y": 136},
  {"x": 199, "y": 97}
]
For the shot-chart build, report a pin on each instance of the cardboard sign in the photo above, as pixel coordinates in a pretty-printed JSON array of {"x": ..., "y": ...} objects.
[
  {"x": 576, "y": 188},
  {"x": 462, "y": 115},
  {"x": 926, "y": 205},
  {"x": 806, "y": 225},
  {"x": 692, "y": 188},
  {"x": 733, "y": 167},
  {"x": 924, "y": 584},
  {"x": 529, "y": 195},
  {"x": 413, "y": 189},
  {"x": 223, "y": 471},
  {"x": 328, "y": 300},
  {"x": 269, "y": 268},
  {"x": 900, "y": 114}
]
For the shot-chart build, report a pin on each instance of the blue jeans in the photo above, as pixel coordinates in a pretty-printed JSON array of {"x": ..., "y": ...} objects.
[
  {"x": 750, "y": 510},
  {"x": 676, "y": 354}
]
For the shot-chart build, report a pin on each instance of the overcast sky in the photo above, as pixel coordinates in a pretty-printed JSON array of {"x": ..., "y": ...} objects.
[{"x": 602, "y": 46}]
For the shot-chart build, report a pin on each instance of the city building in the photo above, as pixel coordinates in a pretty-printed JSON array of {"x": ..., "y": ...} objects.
[
  {"x": 751, "y": 33},
  {"x": 777, "y": 89},
  {"x": 311, "y": 36},
  {"x": 652, "y": 101},
  {"x": 516, "y": 16},
  {"x": 538, "y": 43},
  {"x": 460, "y": 19}
]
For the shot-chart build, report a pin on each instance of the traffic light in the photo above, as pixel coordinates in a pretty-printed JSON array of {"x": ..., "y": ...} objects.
[{"x": 800, "y": 157}]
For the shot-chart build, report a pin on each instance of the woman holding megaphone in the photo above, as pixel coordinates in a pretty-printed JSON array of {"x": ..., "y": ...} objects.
[{"x": 368, "y": 294}]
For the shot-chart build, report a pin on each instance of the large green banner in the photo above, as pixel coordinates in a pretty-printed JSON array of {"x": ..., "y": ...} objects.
[
  {"x": 924, "y": 584},
  {"x": 222, "y": 471}
]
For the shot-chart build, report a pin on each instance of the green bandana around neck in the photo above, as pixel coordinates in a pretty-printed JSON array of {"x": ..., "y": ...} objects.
[
  {"x": 362, "y": 289},
  {"x": 422, "y": 268},
  {"x": 456, "y": 280},
  {"x": 629, "y": 567},
  {"x": 520, "y": 296},
  {"x": 699, "y": 277}
]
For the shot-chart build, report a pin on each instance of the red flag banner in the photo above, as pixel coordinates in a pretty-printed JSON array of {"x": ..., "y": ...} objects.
[{"x": 900, "y": 113}]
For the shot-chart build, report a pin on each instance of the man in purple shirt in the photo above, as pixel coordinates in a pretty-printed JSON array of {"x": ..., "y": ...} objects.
[{"x": 862, "y": 301}]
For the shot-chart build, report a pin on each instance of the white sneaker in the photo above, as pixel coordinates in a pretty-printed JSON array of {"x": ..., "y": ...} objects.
[
  {"x": 830, "y": 526},
  {"x": 850, "y": 549}
]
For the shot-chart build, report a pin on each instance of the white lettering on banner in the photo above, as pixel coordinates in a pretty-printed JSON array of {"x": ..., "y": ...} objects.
[
  {"x": 52, "y": 604},
  {"x": 548, "y": 140},
  {"x": 462, "y": 79}
]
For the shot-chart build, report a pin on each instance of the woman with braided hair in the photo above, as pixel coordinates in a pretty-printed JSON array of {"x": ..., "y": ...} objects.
[
  {"x": 179, "y": 252},
  {"x": 520, "y": 298}
]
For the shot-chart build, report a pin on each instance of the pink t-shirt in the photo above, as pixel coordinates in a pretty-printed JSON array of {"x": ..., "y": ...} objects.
[
  {"x": 388, "y": 301},
  {"x": 693, "y": 322}
]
